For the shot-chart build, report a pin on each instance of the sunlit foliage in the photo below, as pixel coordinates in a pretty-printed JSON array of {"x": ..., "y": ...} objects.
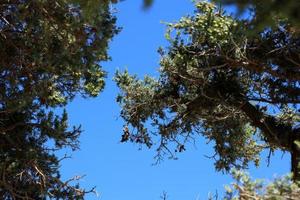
[
  {"x": 238, "y": 90},
  {"x": 244, "y": 188}
]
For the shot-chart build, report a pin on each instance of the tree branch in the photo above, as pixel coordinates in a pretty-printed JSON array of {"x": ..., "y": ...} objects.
[{"x": 273, "y": 132}]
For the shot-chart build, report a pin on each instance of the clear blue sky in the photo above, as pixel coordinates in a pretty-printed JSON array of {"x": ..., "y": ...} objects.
[{"x": 121, "y": 171}]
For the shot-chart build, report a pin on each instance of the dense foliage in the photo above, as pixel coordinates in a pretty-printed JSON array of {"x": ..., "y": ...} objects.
[
  {"x": 50, "y": 51},
  {"x": 240, "y": 91},
  {"x": 265, "y": 13}
]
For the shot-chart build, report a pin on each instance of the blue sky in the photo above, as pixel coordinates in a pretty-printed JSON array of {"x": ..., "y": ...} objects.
[{"x": 122, "y": 171}]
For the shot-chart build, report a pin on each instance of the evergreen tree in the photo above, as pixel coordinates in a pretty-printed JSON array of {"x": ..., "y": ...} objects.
[
  {"x": 50, "y": 51},
  {"x": 238, "y": 90}
]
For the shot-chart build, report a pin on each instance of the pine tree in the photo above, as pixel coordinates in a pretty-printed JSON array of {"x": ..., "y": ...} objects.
[
  {"x": 50, "y": 51},
  {"x": 217, "y": 79}
]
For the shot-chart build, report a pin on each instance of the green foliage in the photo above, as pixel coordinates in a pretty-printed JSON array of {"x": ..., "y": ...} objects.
[
  {"x": 268, "y": 12},
  {"x": 206, "y": 24},
  {"x": 263, "y": 13},
  {"x": 244, "y": 188},
  {"x": 240, "y": 91},
  {"x": 50, "y": 51}
]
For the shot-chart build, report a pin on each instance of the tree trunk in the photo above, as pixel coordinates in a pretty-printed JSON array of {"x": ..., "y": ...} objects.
[{"x": 295, "y": 156}]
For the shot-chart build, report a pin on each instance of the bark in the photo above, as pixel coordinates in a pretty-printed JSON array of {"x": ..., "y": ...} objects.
[
  {"x": 280, "y": 136},
  {"x": 275, "y": 134},
  {"x": 295, "y": 156}
]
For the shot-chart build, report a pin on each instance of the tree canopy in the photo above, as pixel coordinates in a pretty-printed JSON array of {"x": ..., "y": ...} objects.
[
  {"x": 238, "y": 90},
  {"x": 50, "y": 51},
  {"x": 266, "y": 13}
]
